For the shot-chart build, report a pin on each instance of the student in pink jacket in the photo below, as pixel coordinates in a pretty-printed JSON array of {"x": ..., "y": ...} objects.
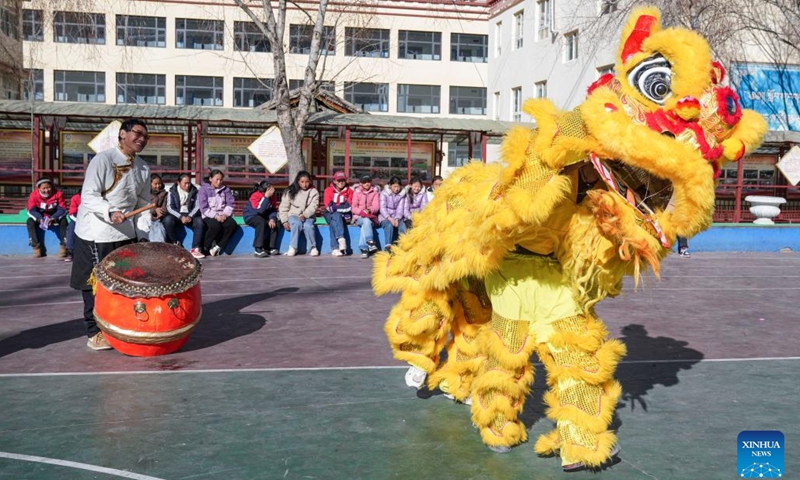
[{"x": 366, "y": 207}]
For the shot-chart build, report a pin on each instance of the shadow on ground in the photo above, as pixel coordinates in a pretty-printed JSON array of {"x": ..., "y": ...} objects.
[{"x": 41, "y": 337}]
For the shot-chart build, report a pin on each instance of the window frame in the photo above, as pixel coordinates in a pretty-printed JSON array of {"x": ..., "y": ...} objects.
[
  {"x": 540, "y": 89},
  {"x": 456, "y": 43},
  {"x": 33, "y": 82},
  {"x": 435, "y": 44},
  {"x": 360, "y": 46},
  {"x": 32, "y": 28},
  {"x": 608, "y": 6},
  {"x": 97, "y": 25},
  {"x": 10, "y": 21},
  {"x": 519, "y": 30},
  {"x": 496, "y": 106},
  {"x": 217, "y": 34},
  {"x": 380, "y": 91},
  {"x": 159, "y": 30},
  {"x": 243, "y": 41},
  {"x": 516, "y": 104},
  {"x": 217, "y": 90},
  {"x": 327, "y": 44},
  {"x": 242, "y": 92},
  {"x": 405, "y": 95},
  {"x": 64, "y": 84},
  {"x": 159, "y": 85},
  {"x": 455, "y": 90},
  {"x": 498, "y": 39},
  {"x": 570, "y": 46},
  {"x": 544, "y": 19}
]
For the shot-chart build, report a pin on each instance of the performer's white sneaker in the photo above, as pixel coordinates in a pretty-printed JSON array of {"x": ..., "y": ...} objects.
[
  {"x": 415, "y": 377},
  {"x": 468, "y": 401}
]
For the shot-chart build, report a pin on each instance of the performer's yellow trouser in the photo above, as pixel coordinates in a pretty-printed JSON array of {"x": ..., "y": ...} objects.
[{"x": 534, "y": 309}]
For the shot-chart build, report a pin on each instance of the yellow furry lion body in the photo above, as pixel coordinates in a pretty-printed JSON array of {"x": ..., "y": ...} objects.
[{"x": 510, "y": 258}]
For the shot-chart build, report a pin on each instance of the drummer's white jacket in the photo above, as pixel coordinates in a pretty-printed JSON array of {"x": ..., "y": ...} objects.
[{"x": 114, "y": 182}]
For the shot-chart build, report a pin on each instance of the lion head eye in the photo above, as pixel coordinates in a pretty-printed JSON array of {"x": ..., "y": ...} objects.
[{"x": 652, "y": 77}]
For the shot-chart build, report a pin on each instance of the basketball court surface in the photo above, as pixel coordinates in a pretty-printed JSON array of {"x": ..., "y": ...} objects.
[{"x": 289, "y": 376}]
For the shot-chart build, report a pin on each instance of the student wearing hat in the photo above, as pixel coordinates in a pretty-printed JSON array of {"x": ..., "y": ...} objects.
[
  {"x": 366, "y": 207},
  {"x": 338, "y": 199},
  {"x": 46, "y": 208}
]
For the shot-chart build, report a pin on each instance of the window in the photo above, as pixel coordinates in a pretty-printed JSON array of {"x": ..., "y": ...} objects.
[
  {"x": 519, "y": 24},
  {"x": 366, "y": 42},
  {"x": 570, "y": 46},
  {"x": 248, "y": 38},
  {"x": 496, "y": 106},
  {"x": 9, "y": 20},
  {"x": 252, "y": 92},
  {"x": 136, "y": 31},
  {"x": 300, "y": 40},
  {"x": 420, "y": 45},
  {"x": 75, "y": 27},
  {"x": 34, "y": 84},
  {"x": 418, "y": 98},
  {"x": 141, "y": 89},
  {"x": 541, "y": 89},
  {"x": 498, "y": 39},
  {"x": 468, "y": 100},
  {"x": 323, "y": 85},
  {"x": 544, "y": 19},
  {"x": 608, "y": 6},
  {"x": 605, "y": 69},
  {"x": 458, "y": 153},
  {"x": 80, "y": 86},
  {"x": 199, "y": 34},
  {"x": 371, "y": 97},
  {"x": 465, "y": 47},
  {"x": 32, "y": 26},
  {"x": 516, "y": 104},
  {"x": 196, "y": 90}
]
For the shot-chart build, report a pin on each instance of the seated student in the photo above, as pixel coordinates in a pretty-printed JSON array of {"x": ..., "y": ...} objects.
[
  {"x": 416, "y": 199},
  {"x": 366, "y": 207},
  {"x": 216, "y": 206},
  {"x": 46, "y": 208},
  {"x": 338, "y": 200},
  {"x": 74, "y": 203},
  {"x": 159, "y": 211},
  {"x": 392, "y": 217},
  {"x": 435, "y": 183},
  {"x": 297, "y": 210},
  {"x": 184, "y": 211},
  {"x": 261, "y": 213}
]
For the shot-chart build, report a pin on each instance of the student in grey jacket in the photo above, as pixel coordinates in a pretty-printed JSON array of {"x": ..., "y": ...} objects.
[{"x": 297, "y": 210}]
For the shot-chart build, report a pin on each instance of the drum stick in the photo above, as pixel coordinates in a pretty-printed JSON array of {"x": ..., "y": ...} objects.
[{"x": 139, "y": 210}]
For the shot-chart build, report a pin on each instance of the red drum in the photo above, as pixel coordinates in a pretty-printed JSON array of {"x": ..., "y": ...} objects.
[{"x": 148, "y": 298}]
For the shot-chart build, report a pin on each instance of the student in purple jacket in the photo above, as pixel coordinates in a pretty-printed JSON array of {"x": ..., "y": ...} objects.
[
  {"x": 416, "y": 199},
  {"x": 216, "y": 207},
  {"x": 393, "y": 210}
]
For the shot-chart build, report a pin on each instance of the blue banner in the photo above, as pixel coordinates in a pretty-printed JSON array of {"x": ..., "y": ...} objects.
[{"x": 771, "y": 90}]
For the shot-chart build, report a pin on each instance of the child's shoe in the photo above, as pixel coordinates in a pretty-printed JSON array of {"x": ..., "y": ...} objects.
[
  {"x": 314, "y": 252},
  {"x": 364, "y": 253},
  {"x": 214, "y": 252},
  {"x": 337, "y": 253},
  {"x": 371, "y": 246},
  {"x": 197, "y": 253},
  {"x": 274, "y": 251},
  {"x": 68, "y": 258},
  {"x": 291, "y": 252},
  {"x": 62, "y": 251},
  {"x": 260, "y": 252},
  {"x": 37, "y": 251},
  {"x": 342, "y": 245}
]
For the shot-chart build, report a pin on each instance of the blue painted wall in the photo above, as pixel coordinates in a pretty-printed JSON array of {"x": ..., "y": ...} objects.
[
  {"x": 14, "y": 240},
  {"x": 719, "y": 238}
]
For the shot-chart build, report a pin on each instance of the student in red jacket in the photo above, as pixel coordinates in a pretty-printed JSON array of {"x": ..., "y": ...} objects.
[
  {"x": 46, "y": 208},
  {"x": 74, "y": 203},
  {"x": 261, "y": 213},
  {"x": 338, "y": 200}
]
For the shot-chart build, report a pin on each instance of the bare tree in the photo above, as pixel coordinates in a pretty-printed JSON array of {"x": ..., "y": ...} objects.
[{"x": 291, "y": 121}]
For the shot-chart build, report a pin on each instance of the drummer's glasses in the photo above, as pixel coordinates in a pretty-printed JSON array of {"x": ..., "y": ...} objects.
[{"x": 140, "y": 133}]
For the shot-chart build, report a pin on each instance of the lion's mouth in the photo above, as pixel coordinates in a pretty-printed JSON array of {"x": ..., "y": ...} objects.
[{"x": 647, "y": 193}]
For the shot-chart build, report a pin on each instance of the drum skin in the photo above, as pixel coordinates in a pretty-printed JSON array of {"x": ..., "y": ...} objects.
[{"x": 148, "y": 298}]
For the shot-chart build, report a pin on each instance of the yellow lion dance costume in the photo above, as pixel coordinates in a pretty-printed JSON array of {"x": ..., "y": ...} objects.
[{"x": 511, "y": 258}]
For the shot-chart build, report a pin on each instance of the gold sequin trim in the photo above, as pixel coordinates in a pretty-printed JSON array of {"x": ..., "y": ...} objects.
[
  {"x": 582, "y": 396},
  {"x": 570, "y": 433},
  {"x": 513, "y": 333},
  {"x": 576, "y": 324},
  {"x": 426, "y": 309},
  {"x": 576, "y": 358}
]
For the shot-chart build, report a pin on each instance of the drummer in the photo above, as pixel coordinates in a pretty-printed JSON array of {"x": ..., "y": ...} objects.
[{"x": 117, "y": 182}]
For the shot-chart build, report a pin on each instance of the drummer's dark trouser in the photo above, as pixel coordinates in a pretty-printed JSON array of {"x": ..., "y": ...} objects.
[{"x": 86, "y": 255}]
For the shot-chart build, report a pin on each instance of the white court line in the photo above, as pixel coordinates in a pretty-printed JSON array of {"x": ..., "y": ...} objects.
[
  {"x": 82, "y": 466},
  {"x": 329, "y": 369}
]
